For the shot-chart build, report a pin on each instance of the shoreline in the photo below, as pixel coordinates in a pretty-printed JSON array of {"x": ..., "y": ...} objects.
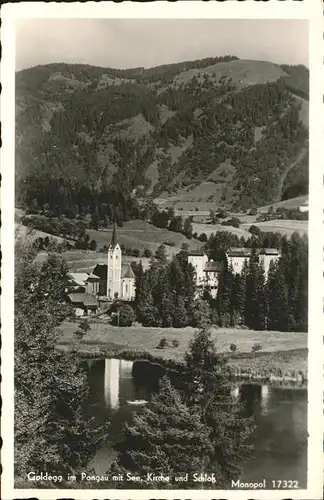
[{"x": 278, "y": 367}]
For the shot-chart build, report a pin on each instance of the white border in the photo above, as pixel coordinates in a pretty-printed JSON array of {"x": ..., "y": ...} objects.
[{"x": 307, "y": 9}]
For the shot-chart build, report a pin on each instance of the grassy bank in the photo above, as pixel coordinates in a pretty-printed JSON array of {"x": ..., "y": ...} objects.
[{"x": 283, "y": 355}]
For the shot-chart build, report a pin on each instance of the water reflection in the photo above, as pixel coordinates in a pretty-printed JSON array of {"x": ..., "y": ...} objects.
[{"x": 280, "y": 414}]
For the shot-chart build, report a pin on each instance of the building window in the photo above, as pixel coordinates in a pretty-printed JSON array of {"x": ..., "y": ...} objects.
[
  {"x": 116, "y": 256},
  {"x": 126, "y": 288}
]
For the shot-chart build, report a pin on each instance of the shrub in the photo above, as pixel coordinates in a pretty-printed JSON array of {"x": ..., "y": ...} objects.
[
  {"x": 202, "y": 237},
  {"x": 147, "y": 253},
  {"x": 233, "y": 347},
  {"x": 126, "y": 316},
  {"x": 256, "y": 347},
  {"x": 196, "y": 209},
  {"x": 255, "y": 230},
  {"x": 175, "y": 343},
  {"x": 136, "y": 252},
  {"x": 253, "y": 211},
  {"x": 93, "y": 245},
  {"x": 84, "y": 325},
  {"x": 163, "y": 343}
]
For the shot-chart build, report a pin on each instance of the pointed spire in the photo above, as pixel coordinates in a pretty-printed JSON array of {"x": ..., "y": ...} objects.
[{"x": 113, "y": 242}]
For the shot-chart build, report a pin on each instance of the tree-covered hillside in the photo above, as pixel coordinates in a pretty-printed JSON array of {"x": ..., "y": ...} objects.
[{"x": 89, "y": 137}]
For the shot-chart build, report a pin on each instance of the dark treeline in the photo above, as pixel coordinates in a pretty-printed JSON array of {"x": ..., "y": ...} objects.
[
  {"x": 77, "y": 147},
  {"x": 165, "y": 293}
]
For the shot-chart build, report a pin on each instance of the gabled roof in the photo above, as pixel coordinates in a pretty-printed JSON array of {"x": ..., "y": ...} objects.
[
  {"x": 239, "y": 252},
  {"x": 83, "y": 298},
  {"x": 127, "y": 271},
  {"x": 78, "y": 278},
  {"x": 269, "y": 251},
  {"x": 197, "y": 253},
  {"x": 246, "y": 252},
  {"x": 93, "y": 276}
]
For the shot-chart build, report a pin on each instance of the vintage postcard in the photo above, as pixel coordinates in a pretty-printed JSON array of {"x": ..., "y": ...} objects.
[{"x": 162, "y": 243}]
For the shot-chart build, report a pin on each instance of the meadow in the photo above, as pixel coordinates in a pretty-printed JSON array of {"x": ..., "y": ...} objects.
[
  {"x": 282, "y": 226},
  {"x": 143, "y": 338},
  {"x": 141, "y": 234},
  {"x": 283, "y": 354}
]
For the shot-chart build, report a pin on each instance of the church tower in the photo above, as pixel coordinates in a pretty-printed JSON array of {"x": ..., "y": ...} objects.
[{"x": 114, "y": 268}]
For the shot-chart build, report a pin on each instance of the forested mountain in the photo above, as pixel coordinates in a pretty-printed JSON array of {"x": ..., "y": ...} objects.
[{"x": 89, "y": 137}]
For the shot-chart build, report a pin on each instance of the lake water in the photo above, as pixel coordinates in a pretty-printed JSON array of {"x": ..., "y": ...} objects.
[{"x": 280, "y": 439}]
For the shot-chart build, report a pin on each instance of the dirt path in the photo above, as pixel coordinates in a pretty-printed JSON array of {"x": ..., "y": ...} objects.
[{"x": 299, "y": 158}]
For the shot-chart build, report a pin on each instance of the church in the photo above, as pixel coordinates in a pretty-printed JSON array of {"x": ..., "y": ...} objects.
[
  {"x": 117, "y": 279},
  {"x": 111, "y": 281}
]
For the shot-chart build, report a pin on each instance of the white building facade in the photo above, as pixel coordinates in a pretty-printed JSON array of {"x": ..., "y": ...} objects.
[
  {"x": 120, "y": 278},
  {"x": 236, "y": 257}
]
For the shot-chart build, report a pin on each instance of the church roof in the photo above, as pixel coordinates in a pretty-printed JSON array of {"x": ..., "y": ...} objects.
[
  {"x": 114, "y": 242},
  {"x": 101, "y": 271},
  {"x": 127, "y": 271}
]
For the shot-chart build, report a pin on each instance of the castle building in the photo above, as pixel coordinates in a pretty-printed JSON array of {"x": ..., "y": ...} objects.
[
  {"x": 206, "y": 272},
  {"x": 237, "y": 256}
]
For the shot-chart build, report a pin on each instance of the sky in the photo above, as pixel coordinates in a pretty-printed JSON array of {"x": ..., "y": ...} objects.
[{"x": 126, "y": 43}]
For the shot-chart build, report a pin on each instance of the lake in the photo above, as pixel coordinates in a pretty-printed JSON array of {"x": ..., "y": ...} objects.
[{"x": 280, "y": 439}]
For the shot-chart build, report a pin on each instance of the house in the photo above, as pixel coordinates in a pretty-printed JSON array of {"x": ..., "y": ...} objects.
[
  {"x": 236, "y": 257},
  {"x": 84, "y": 304},
  {"x": 212, "y": 271},
  {"x": 83, "y": 283},
  {"x": 206, "y": 272},
  {"x": 304, "y": 207},
  {"x": 198, "y": 260}
]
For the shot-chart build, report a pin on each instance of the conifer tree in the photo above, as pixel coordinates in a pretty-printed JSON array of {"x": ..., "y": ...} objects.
[
  {"x": 208, "y": 389},
  {"x": 277, "y": 294},
  {"x": 166, "y": 438},
  {"x": 52, "y": 432}
]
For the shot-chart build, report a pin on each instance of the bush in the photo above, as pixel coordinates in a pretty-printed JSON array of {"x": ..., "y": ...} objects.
[
  {"x": 234, "y": 222},
  {"x": 196, "y": 209},
  {"x": 163, "y": 343},
  {"x": 233, "y": 347},
  {"x": 126, "y": 316},
  {"x": 253, "y": 211},
  {"x": 136, "y": 252},
  {"x": 256, "y": 347},
  {"x": 147, "y": 253},
  {"x": 255, "y": 230},
  {"x": 84, "y": 325},
  {"x": 175, "y": 343},
  {"x": 202, "y": 237},
  {"x": 93, "y": 245}
]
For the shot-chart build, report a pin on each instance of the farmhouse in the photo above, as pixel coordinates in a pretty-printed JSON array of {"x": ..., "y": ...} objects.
[{"x": 84, "y": 304}]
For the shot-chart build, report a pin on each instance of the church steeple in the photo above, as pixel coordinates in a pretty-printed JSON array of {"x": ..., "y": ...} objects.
[{"x": 113, "y": 242}]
